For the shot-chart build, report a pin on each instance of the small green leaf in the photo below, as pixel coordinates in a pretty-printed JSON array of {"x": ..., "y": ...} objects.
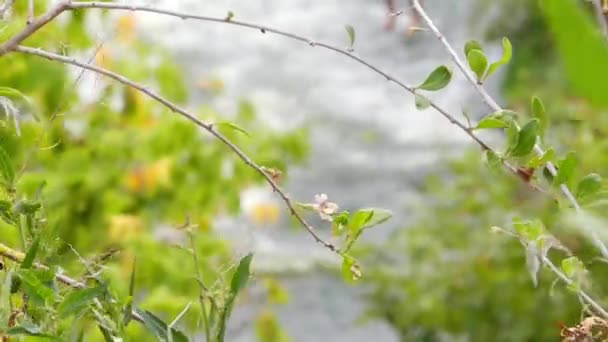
[
  {"x": 438, "y": 79},
  {"x": 6, "y": 167},
  {"x": 507, "y": 52},
  {"x": 129, "y": 307},
  {"x": 351, "y": 35},
  {"x": 241, "y": 276},
  {"x": 500, "y": 119},
  {"x": 339, "y": 222},
  {"x": 422, "y": 102},
  {"x": 358, "y": 221},
  {"x": 26, "y": 207},
  {"x": 572, "y": 266},
  {"x": 229, "y": 16},
  {"x": 538, "y": 111},
  {"x": 493, "y": 160},
  {"x": 34, "y": 286},
  {"x": 540, "y": 160},
  {"x": 161, "y": 329},
  {"x": 378, "y": 216},
  {"x": 238, "y": 282},
  {"x": 589, "y": 185},
  {"x": 350, "y": 269},
  {"x": 472, "y": 45},
  {"x": 233, "y": 127},
  {"x": 28, "y": 261},
  {"x": 566, "y": 169},
  {"x": 478, "y": 62},
  {"x": 79, "y": 299},
  {"x": 530, "y": 230},
  {"x": 526, "y": 139},
  {"x": 28, "y": 329}
]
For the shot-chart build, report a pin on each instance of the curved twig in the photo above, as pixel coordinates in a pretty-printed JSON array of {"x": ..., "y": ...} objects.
[
  {"x": 494, "y": 106},
  {"x": 206, "y": 126}
]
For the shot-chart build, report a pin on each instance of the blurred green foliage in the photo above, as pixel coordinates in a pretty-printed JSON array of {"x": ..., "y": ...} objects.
[
  {"x": 447, "y": 275},
  {"x": 111, "y": 177}
]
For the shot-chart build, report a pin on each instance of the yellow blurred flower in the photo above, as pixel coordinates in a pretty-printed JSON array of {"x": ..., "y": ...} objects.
[
  {"x": 265, "y": 213},
  {"x": 126, "y": 27},
  {"x": 151, "y": 177},
  {"x": 103, "y": 57},
  {"x": 124, "y": 227}
]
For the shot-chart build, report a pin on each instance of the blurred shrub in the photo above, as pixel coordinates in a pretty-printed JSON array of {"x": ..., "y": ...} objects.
[{"x": 114, "y": 175}]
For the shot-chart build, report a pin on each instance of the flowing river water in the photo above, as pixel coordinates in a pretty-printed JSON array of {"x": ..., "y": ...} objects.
[{"x": 370, "y": 146}]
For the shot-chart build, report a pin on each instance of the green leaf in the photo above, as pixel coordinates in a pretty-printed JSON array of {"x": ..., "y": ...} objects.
[
  {"x": 572, "y": 266},
  {"x": 422, "y": 102},
  {"x": 238, "y": 282},
  {"x": 526, "y": 139},
  {"x": 493, "y": 160},
  {"x": 28, "y": 261},
  {"x": 358, "y": 221},
  {"x": 531, "y": 230},
  {"x": 351, "y": 35},
  {"x": 589, "y": 185},
  {"x": 566, "y": 169},
  {"x": 500, "y": 119},
  {"x": 538, "y": 111},
  {"x": 26, "y": 207},
  {"x": 582, "y": 49},
  {"x": 339, "y": 222},
  {"x": 438, "y": 79},
  {"x": 378, "y": 216},
  {"x": 28, "y": 329},
  {"x": 233, "y": 126},
  {"x": 540, "y": 160},
  {"x": 507, "y": 52},
  {"x": 34, "y": 286},
  {"x": 129, "y": 308},
  {"x": 350, "y": 269},
  {"x": 159, "y": 328},
  {"x": 478, "y": 62},
  {"x": 6, "y": 167},
  {"x": 472, "y": 45},
  {"x": 79, "y": 299}
]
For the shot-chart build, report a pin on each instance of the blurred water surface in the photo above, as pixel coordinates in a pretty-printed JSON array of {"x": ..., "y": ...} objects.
[{"x": 370, "y": 146}]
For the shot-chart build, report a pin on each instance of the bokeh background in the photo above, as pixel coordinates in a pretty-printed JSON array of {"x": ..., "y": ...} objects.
[{"x": 116, "y": 171}]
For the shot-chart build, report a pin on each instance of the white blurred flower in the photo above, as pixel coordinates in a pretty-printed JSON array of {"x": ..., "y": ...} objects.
[{"x": 324, "y": 207}]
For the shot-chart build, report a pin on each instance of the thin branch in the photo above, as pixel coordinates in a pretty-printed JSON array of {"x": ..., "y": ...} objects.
[
  {"x": 313, "y": 43},
  {"x": 5, "y": 7},
  {"x": 30, "y": 11},
  {"x": 69, "y": 5},
  {"x": 494, "y": 106},
  {"x": 206, "y": 126},
  {"x": 34, "y": 26},
  {"x": 600, "y": 16},
  {"x": 580, "y": 292},
  {"x": 18, "y": 257}
]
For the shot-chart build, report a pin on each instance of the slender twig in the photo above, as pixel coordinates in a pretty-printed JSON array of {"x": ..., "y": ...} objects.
[
  {"x": 600, "y": 17},
  {"x": 203, "y": 292},
  {"x": 69, "y": 5},
  {"x": 18, "y": 257},
  {"x": 30, "y": 11},
  {"x": 580, "y": 292},
  {"x": 34, "y": 26},
  {"x": 494, "y": 106},
  {"x": 206, "y": 126},
  {"x": 293, "y": 36}
]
